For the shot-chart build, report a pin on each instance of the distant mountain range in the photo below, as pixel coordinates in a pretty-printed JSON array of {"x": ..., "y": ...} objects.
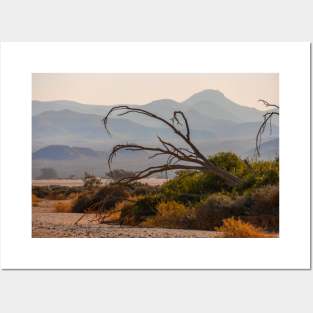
[
  {"x": 212, "y": 103},
  {"x": 67, "y": 131},
  {"x": 87, "y": 130}
]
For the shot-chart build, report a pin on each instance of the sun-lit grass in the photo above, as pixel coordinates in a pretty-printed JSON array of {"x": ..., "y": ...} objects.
[
  {"x": 64, "y": 206},
  {"x": 35, "y": 200},
  {"x": 235, "y": 228},
  {"x": 170, "y": 214}
]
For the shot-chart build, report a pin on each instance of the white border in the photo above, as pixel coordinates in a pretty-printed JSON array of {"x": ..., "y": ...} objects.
[{"x": 290, "y": 60}]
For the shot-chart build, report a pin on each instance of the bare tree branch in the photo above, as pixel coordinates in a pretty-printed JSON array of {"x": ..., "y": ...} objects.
[
  {"x": 267, "y": 119},
  {"x": 178, "y": 158}
]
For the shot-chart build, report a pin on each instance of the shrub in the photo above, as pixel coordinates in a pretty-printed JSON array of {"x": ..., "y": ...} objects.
[
  {"x": 102, "y": 200},
  {"x": 262, "y": 203},
  {"x": 171, "y": 214},
  {"x": 138, "y": 210},
  {"x": 64, "y": 206},
  {"x": 189, "y": 186},
  {"x": 261, "y": 173},
  {"x": 82, "y": 203},
  {"x": 268, "y": 222},
  {"x": 55, "y": 192},
  {"x": 229, "y": 162},
  {"x": 35, "y": 200},
  {"x": 214, "y": 209},
  {"x": 265, "y": 200},
  {"x": 91, "y": 181},
  {"x": 235, "y": 228},
  {"x": 140, "y": 189},
  {"x": 107, "y": 197},
  {"x": 40, "y": 192},
  {"x": 119, "y": 174}
]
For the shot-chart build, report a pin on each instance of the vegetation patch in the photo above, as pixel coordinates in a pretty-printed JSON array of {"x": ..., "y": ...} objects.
[
  {"x": 235, "y": 228},
  {"x": 101, "y": 200},
  {"x": 64, "y": 206},
  {"x": 35, "y": 200},
  {"x": 55, "y": 192},
  {"x": 136, "y": 211},
  {"x": 171, "y": 214}
]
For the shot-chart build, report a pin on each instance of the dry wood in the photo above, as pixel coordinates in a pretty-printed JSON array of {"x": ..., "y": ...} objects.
[{"x": 178, "y": 158}]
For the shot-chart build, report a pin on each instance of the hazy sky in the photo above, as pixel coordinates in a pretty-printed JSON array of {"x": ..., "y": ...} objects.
[{"x": 108, "y": 89}]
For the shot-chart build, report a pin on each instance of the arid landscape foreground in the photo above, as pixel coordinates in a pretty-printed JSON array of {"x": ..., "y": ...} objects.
[
  {"x": 49, "y": 223},
  {"x": 59, "y": 211}
]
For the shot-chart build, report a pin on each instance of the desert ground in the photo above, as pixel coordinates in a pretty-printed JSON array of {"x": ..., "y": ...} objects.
[
  {"x": 79, "y": 182},
  {"x": 49, "y": 222}
]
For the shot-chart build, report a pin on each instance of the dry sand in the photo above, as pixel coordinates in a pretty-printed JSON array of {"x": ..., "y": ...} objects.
[{"x": 79, "y": 182}]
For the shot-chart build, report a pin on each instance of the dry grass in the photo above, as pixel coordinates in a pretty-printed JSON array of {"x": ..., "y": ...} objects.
[
  {"x": 109, "y": 217},
  {"x": 35, "y": 200},
  {"x": 112, "y": 216},
  {"x": 64, "y": 206},
  {"x": 235, "y": 228},
  {"x": 171, "y": 214}
]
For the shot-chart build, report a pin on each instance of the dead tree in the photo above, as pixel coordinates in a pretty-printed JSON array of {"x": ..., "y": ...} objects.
[
  {"x": 178, "y": 158},
  {"x": 267, "y": 119}
]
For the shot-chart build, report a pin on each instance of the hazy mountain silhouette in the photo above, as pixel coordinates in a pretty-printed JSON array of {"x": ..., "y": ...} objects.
[
  {"x": 217, "y": 124},
  {"x": 213, "y": 103},
  {"x": 268, "y": 149},
  {"x": 62, "y": 152},
  {"x": 77, "y": 129}
]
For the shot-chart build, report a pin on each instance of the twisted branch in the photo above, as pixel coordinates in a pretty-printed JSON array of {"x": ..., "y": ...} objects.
[
  {"x": 176, "y": 155},
  {"x": 267, "y": 119}
]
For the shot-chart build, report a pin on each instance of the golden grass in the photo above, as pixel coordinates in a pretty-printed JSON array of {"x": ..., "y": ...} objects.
[
  {"x": 35, "y": 200},
  {"x": 235, "y": 228},
  {"x": 170, "y": 214},
  {"x": 110, "y": 217},
  {"x": 64, "y": 206}
]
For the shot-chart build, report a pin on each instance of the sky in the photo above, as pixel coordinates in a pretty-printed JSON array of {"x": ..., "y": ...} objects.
[{"x": 112, "y": 89}]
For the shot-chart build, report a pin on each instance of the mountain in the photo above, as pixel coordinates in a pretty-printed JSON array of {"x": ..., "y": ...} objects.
[
  {"x": 39, "y": 107},
  {"x": 268, "y": 150},
  {"x": 210, "y": 103},
  {"x": 69, "y": 161},
  {"x": 62, "y": 152},
  {"x": 214, "y": 104},
  {"x": 67, "y": 127},
  {"x": 70, "y": 136}
]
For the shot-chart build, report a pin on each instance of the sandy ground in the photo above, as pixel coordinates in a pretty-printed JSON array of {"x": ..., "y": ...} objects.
[
  {"x": 47, "y": 223},
  {"x": 79, "y": 182}
]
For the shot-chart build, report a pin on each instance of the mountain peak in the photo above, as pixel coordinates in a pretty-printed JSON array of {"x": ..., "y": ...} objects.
[
  {"x": 206, "y": 94},
  {"x": 63, "y": 152}
]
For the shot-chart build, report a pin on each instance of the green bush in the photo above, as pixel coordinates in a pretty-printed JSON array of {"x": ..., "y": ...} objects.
[
  {"x": 256, "y": 200},
  {"x": 229, "y": 162},
  {"x": 262, "y": 173},
  {"x": 189, "y": 186}
]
